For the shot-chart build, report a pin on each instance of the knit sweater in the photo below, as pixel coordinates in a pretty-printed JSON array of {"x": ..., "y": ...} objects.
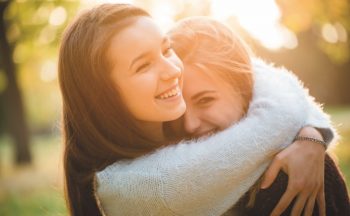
[{"x": 208, "y": 175}]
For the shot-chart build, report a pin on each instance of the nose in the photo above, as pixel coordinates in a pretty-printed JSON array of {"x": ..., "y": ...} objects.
[
  {"x": 170, "y": 70},
  {"x": 191, "y": 122}
]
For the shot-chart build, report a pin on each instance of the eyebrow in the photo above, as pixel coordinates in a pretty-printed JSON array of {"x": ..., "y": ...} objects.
[
  {"x": 142, "y": 55},
  {"x": 200, "y": 94}
]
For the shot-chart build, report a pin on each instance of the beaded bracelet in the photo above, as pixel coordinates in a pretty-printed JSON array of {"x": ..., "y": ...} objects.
[{"x": 302, "y": 138}]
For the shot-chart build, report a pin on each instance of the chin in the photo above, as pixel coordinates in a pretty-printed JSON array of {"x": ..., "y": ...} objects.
[{"x": 175, "y": 114}]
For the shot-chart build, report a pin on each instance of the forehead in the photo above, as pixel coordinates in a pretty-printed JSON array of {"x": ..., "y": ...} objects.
[
  {"x": 200, "y": 79},
  {"x": 140, "y": 36},
  {"x": 195, "y": 76}
]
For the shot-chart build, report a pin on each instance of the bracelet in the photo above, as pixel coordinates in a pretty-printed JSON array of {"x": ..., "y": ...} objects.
[{"x": 302, "y": 138}]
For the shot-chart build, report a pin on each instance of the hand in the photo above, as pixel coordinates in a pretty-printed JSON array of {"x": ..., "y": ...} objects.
[{"x": 303, "y": 161}]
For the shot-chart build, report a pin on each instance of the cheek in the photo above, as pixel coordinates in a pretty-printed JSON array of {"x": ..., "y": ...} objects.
[
  {"x": 223, "y": 121},
  {"x": 215, "y": 115},
  {"x": 226, "y": 113},
  {"x": 234, "y": 112},
  {"x": 142, "y": 86},
  {"x": 139, "y": 92}
]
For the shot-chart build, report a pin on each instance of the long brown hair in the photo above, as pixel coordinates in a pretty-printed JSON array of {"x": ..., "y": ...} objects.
[{"x": 98, "y": 129}]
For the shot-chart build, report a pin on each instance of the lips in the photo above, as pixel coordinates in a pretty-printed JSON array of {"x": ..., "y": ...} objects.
[{"x": 172, "y": 92}]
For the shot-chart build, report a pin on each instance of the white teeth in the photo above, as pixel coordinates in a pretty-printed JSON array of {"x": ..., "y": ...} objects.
[{"x": 171, "y": 93}]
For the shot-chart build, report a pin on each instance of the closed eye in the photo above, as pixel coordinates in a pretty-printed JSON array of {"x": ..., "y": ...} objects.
[
  {"x": 143, "y": 67},
  {"x": 205, "y": 101}
]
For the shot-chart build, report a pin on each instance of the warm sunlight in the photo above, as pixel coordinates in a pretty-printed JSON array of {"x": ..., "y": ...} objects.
[
  {"x": 259, "y": 18},
  {"x": 174, "y": 107},
  {"x": 334, "y": 33},
  {"x": 164, "y": 12},
  {"x": 48, "y": 71}
]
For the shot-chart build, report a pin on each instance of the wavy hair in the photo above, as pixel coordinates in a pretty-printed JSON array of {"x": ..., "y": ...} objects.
[
  {"x": 98, "y": 129},
  {"x": 213, "y": 47}
]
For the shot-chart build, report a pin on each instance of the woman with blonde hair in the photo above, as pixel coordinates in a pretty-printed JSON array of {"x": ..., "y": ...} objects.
[
  {"x": 219, "y": 74},
  {"x": 120, "y": 81}
]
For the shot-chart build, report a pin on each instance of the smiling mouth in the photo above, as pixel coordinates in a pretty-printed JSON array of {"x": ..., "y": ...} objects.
[{"x": 173, "y": 92}]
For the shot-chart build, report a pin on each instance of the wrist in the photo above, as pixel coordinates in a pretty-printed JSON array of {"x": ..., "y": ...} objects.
[
  {"x": 310, "y": 132},
  {"x": 311, "y": 139}
]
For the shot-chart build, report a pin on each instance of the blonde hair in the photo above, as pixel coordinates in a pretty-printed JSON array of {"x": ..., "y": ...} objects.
[
  {"x": 214, "y": 48},
  {"x": 208, "y": 44}
]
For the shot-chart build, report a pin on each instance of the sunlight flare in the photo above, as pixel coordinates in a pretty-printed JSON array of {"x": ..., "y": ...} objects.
[
  {"x": 259, "y": 18},
  {"x": 48, "y": 71},
  {"x": 58, "y": 16}
]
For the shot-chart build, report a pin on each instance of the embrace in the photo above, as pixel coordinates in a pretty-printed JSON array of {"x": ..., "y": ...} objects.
[{"x": 187, "y": 122}]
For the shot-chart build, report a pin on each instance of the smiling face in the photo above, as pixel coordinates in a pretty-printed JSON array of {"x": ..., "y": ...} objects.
[
  {"x": 212, "y": 103},
  {"x": 218, "y": 79},
  {"x": 147, "y": 72}
]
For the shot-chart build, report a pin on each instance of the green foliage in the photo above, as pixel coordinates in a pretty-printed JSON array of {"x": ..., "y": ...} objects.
[
  {"x": 341, "y": 118},
  {"x": 343, "y": 155},
  {"x": 342, "y": 152},
  {"x": 3, "y": 81},
  {"x": 35, "y": 189},
  {"x": 34, "y": 31},
  {"x": 314, "y": 15},
  {"x": 43, "y": 202}
]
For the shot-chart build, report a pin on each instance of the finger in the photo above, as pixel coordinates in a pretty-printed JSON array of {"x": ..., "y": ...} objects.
[
  {"x": 310, "y": 204},
  {"x": 284, "y": 202},
  {"x": 299, "y": 205},
  {"x": 321, "y": 201},
  {"x": 271, "y": 173}
]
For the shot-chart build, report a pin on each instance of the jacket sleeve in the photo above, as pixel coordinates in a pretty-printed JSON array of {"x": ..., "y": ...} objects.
[
  {"x": 207, "y": 176},
  {"x": 316, "y": 118}
]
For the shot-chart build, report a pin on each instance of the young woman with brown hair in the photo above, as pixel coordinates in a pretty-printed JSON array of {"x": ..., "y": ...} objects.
[
  {"x": 120, "y": 81},
  {"x": 103, "y": 109}
]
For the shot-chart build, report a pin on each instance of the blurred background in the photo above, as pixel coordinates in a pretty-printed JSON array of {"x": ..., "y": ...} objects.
[{"x": 310, "y": 37}]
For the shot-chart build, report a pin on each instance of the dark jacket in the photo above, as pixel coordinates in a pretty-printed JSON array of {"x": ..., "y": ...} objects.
[{"x": 337, "y": 198}]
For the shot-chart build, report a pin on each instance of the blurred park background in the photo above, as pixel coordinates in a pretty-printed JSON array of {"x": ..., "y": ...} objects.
[{"x": 310, "y": 37}]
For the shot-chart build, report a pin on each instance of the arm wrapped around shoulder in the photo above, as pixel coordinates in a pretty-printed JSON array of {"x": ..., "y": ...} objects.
[
  {"x": 207, "y": 176},
  {"x": 316, "y": 117}
]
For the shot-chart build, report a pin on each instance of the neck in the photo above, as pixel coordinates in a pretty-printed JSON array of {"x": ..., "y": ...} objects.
[{"x": 153, "y": 130}]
